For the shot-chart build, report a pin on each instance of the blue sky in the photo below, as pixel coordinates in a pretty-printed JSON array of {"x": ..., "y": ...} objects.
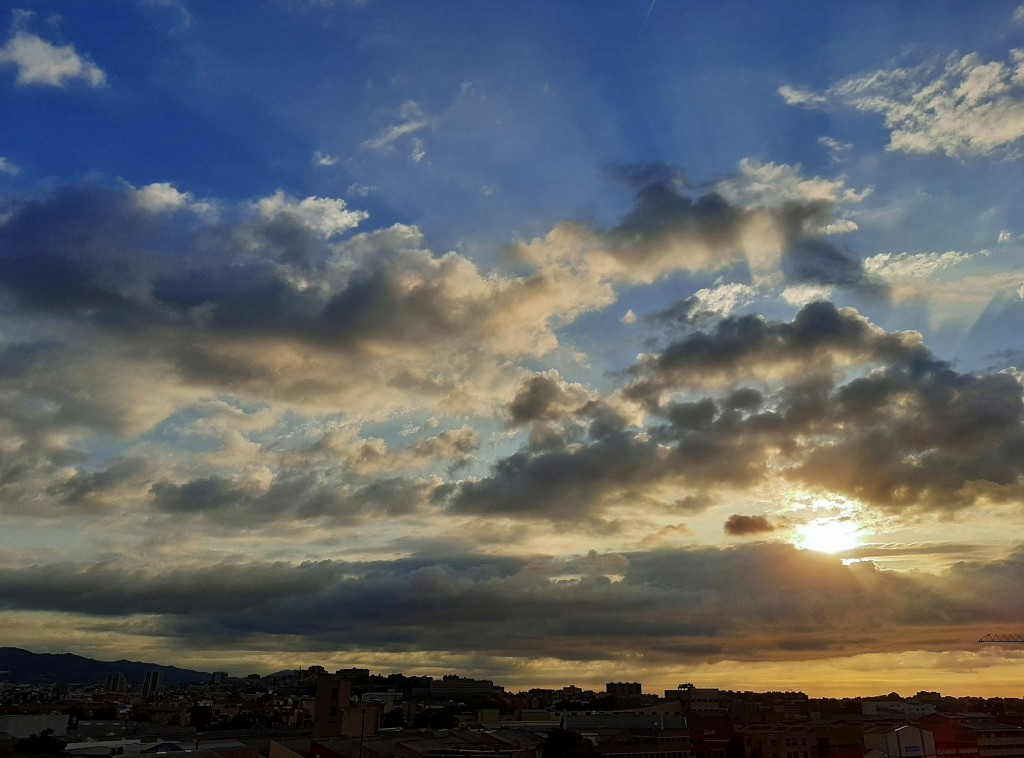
[{"x": 560, "y": 341}]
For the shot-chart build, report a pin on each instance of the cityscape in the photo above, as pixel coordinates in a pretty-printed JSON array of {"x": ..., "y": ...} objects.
[{"x": 315, "y": 713}]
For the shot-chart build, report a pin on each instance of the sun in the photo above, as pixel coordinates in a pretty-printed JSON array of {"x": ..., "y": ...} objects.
[{"x": 829, "y": 535}]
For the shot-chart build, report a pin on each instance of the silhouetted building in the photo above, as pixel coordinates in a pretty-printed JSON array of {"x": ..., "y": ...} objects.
[
  {"x": 115, "y": 682},
  {"x": 623, "y": 688},
  {"x": 696, "y": 699},
  {"x": 815, "y": 740},
  {"x": 455, "y": 686},
  {"x": 973, "y": 735},
  {"x": 334, "y": 715},
  {"x": 152, "y": 683}
]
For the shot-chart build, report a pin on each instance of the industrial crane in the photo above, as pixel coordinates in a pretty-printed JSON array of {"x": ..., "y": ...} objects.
[{"x": 1003, "y": 639}]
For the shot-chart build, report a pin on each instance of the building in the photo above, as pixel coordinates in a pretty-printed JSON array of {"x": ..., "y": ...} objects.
[
  {"x": 696, "y": 699},
  {"x": 646, "y": 743},
  {"x": 115, "y": 682},
  {"x": 826, "y": 739},
  {"x": 902, "y": 741},
  {"x": 908, "y": 709},
  {"x": 974, "y": 735},
  {"x": 334, "y": 715},
  {"x": 624, "y": 688},
  {"x": 452, "y": 686},
  {"x": 152, "y": 684}
]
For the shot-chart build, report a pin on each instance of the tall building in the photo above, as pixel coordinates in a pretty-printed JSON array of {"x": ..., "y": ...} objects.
[
  {"x": 334, "y": 715},
  {"x": 115, "y": 682},
  {"x": 153, "y": 683}
]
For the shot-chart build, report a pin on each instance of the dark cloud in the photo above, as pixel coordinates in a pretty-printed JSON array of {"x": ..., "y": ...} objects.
[
  {"x": 907, "y": 431},
  {"x": 737, "y": 348},
  {"x": 819, "y": 262},
  {"x": 563, "y": 484},
  {"x": 706, "y": 603},
  {"x": 546, "y": 397},
  {"x": 739, "y": 525},
  {"x": 919, "y": 434},
  {"x": 695, "y": 503},
  {"x": 290, "y": 497}
]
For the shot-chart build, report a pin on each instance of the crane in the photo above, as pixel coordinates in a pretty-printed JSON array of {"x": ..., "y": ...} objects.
[{"x": 1003, "y": 639}]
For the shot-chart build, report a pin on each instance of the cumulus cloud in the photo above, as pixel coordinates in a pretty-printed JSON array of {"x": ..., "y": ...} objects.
[
  {"x": 744, "y": 348},
  {"x": 767, "y": 217},
  {"x": 39, "y": 62},
  {"x": 7, "y": 167},
  {"x": 238, "y": 298},
  {"x": 739, "y": 525},
  {"x": 373, "y": 456},
  {"x": 903, "y": 431},
  {"x": 547, "y": 397},
  {"x": 130, "y": 306},
  {"x": 327, "y": 216},
  {"x": 964, "y": 106},
  {"x": 239, "y": 504}
]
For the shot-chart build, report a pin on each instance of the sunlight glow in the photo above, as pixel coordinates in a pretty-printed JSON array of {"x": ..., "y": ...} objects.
[{"x": 829, "y": 535}]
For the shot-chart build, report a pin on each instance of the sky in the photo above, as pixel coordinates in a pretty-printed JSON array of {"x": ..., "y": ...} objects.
[{"x": 553, "y": 343}]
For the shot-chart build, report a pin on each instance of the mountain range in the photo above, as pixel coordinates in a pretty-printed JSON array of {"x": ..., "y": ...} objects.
[{"x": 24, "y": 666}]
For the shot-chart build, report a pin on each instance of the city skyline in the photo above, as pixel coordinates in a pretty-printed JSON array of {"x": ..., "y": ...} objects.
[{"x": 530, "y": 341}]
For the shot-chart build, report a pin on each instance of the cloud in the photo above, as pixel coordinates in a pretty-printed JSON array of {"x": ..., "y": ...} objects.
[
  {"x": 837, "y": 150},
  {"x": 913, "y": 265},
  {"x": 903, "y": 432},
  {"x": 741, "y": 603},
  {"x": 412, "y": 120},
  {"x": 962, "y": 107},
  {"x": 217, "y": 298},
  {"x": 327, "y": 216},
  {"x": 238, "y": 504},
  {"x": 747, "y": 348},
  {"x": 547, "y": 397},
  {"x": 776, "y": 185},
  {"x": 738, "y": 525},
  {"x": 767, "y": 217},
  {"x": 373, "y": 457},
  {"x": 799, "y": 96},
  {"x": 162, "y": 197},
  {"x": 42, "y": 63},
  {"x": 7, "y": 167},
  {"x": 324, "y": 159}
]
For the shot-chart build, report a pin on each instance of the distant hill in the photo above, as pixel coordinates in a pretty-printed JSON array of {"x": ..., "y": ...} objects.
[{"x": 23, "y": 666}]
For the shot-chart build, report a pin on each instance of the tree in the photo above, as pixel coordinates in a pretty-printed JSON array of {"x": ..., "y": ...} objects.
[
  {"x": 43, "y": 743},
  {"x": 561, "y": 743}
]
